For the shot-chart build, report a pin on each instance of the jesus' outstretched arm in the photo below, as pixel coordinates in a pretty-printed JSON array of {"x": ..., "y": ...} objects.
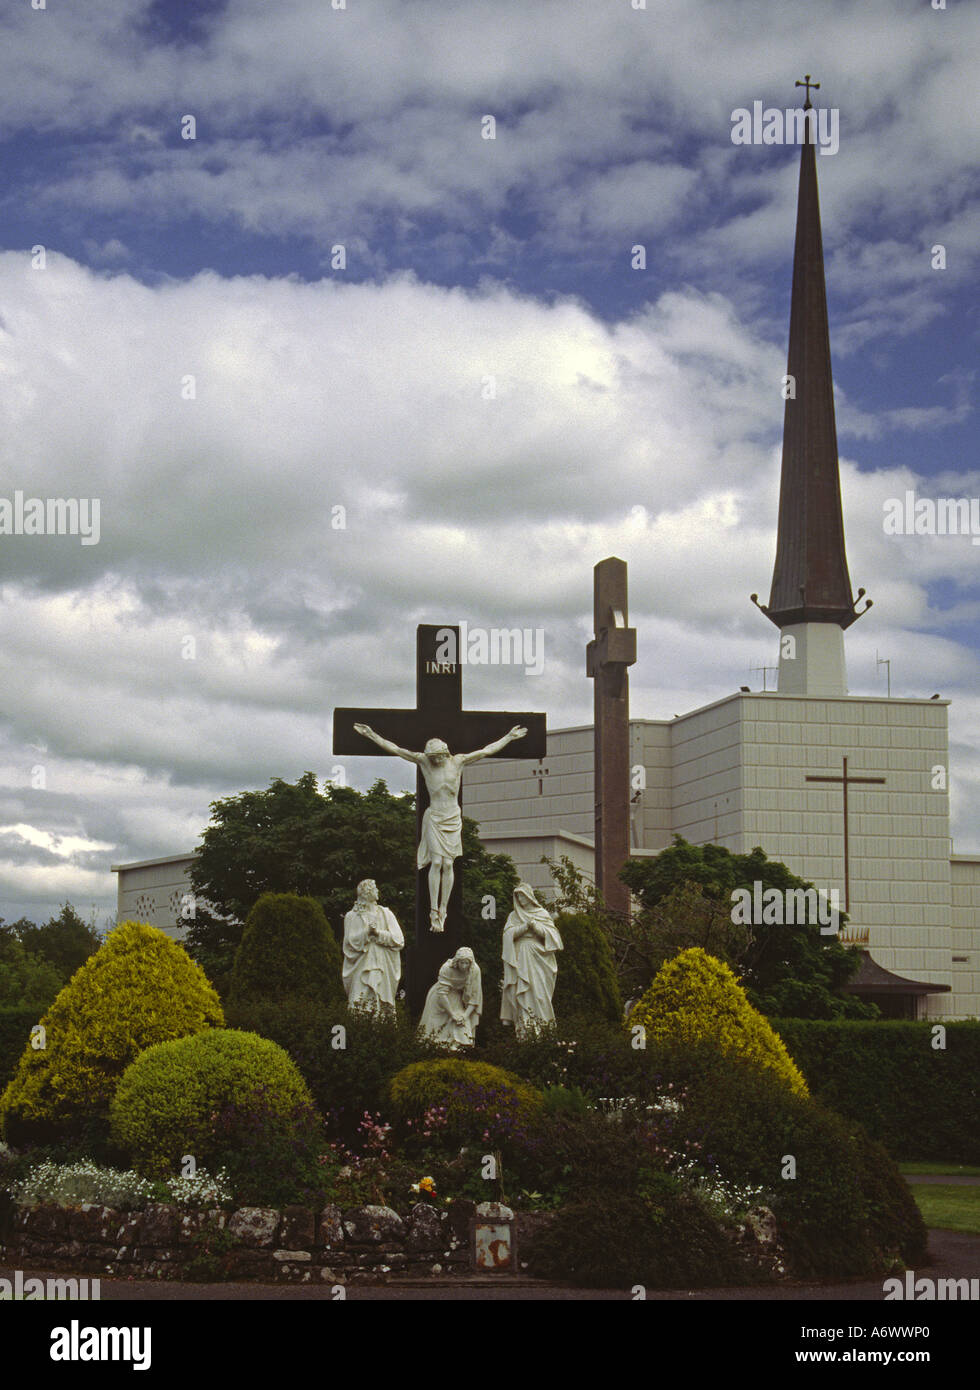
[
  {"x": 367, "y": 732},
  {"x": 516, "y": 732}
]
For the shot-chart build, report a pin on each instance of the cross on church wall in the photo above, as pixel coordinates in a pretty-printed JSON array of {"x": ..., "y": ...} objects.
[{"x": 845, "y": 782}]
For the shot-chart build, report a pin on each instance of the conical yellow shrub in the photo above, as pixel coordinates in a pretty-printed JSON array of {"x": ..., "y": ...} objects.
[{"x": 695, "y": 999}]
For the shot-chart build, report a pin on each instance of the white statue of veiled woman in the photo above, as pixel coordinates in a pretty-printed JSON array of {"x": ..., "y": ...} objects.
[
  {"x": 530, "y": 946},
  {"x": 455, "y": 1002}
]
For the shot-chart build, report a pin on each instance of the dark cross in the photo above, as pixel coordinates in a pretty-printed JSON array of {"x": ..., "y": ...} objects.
[
  {"x": 846, "y": 782},
  {"x": 540, "y": 773},
  {"x": 607, "y": 658},
  {"x": 808, "y": 84},
  {"x": 438, "y": 714}
]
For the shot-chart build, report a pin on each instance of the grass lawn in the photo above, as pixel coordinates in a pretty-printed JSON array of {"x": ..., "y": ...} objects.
[
  {"x": 942, "y": 1170},
  {"x": 949, "y": 1208}
]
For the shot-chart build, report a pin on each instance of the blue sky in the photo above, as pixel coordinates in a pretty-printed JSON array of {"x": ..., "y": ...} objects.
[{"x": 630, "y": 412}]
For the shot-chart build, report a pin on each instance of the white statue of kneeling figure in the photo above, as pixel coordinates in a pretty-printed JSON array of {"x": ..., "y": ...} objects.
[{"x": 455, "y": 1002}]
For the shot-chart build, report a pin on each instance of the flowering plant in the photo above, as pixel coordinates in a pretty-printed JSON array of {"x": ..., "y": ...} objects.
[{"x": 425, "y": 1187}]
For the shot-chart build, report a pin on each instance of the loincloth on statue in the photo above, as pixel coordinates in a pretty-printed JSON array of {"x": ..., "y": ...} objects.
[{"x": 442, "y": 835}]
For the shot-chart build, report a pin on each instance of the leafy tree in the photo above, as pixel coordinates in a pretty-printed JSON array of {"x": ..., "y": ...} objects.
[
  {"x": 26, "y": 981},
  {"x": 684, "y": 917},
  {"x": 66, "y": 941},
  {"x": 293, "y": 838},
  {"x": 287, "y": 950},
  {"x": 789, "y": 971}
]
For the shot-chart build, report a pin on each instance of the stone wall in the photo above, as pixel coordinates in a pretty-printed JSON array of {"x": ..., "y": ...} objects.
[{"x": 364, "y": 1244}]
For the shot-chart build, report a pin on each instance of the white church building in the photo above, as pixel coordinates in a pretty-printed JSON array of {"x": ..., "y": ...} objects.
[{"x": 850, "y": 792}]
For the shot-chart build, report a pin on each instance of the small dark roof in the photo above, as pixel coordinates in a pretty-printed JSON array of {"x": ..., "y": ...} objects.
[{"x": 872, "y": 978}]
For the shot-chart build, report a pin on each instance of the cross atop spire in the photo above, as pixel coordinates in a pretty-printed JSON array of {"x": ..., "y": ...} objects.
[{"x": 808, "y": 84}]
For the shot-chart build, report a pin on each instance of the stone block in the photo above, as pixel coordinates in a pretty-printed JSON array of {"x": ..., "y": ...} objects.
[
  {"x": 425, "y": 1228},
  {"x": 159, "y": 1224},
  {"x": 292, "y": 1256},
  {"x": 493, "y": 1211},
  {"x": 330, "y": 1228},
  {"x": 156, "y": 1254},
  {"x": 47, "y": 1220},
  {"x": 255, "y": 1226},
  {"x": 128, "y": 1228},
  {"x": 92, "y": 1221},
  {"x": 373, "y": 1225},
  {"x": 297, "y": 1227},
  {"x": 250, "y": 1264},
  {"x": 191, "y": 1222}
]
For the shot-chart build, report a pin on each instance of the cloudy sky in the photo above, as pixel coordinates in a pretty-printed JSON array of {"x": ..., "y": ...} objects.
[{"x": 340, "y": 364}]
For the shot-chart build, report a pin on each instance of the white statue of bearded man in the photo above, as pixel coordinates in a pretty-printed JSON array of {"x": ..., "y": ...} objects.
[
  {"x": 530, "y": 945},
  {"x": 373, "y": 942},
  {"x": 455, "y": 1002}
]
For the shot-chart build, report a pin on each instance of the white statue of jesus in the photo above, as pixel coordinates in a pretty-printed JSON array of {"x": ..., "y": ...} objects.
[
  {"x": 442, "y": 823},
  {"x": 373, "y": 942}
]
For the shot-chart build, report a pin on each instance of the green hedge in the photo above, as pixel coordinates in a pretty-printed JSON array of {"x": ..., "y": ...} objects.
[
  {"x": 918, "y": 1101},
  {"x": 15, "y": 1033}
]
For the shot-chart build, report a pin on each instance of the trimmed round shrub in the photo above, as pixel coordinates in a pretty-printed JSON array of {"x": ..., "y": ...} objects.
[
  {"x": 287, "y": 950},
  {"x": 695, "y": 999},
  {"x": 480, "y": 1101},
  {"x": 586, "y": 981},
  {"x": 140, "y": 988},
  {"x": 168, "y": 1101}
]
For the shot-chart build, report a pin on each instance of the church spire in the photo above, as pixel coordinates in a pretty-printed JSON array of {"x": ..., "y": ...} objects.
[{"x": 810, "y": 584}]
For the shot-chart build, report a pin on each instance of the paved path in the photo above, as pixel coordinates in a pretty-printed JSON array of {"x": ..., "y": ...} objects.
[{"x": 954, "y": 1256}]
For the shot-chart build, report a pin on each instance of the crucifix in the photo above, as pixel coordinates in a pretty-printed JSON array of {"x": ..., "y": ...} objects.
[
  {"x": 440, "y": 737},
  {"x": 846, "y": 782},
  {"x": 607, "y": 659},
  {"x": 808, "y": 84}
]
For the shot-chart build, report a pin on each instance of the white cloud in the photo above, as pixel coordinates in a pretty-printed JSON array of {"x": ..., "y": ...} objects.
[{"x": 654, "y": 439}]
